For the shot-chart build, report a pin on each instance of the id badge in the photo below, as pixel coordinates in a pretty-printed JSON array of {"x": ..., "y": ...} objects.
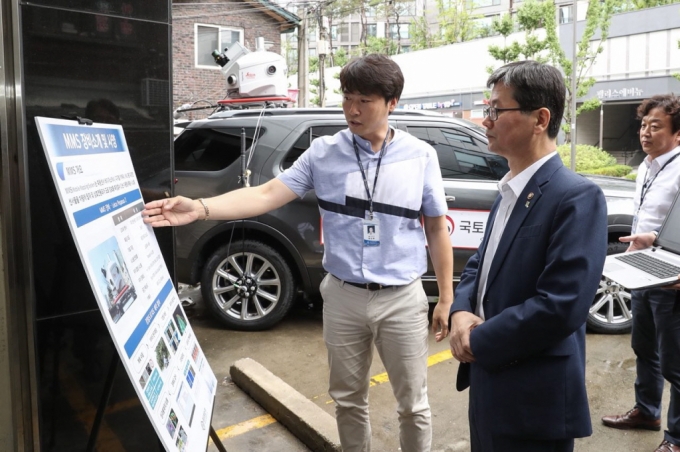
[{"x": 371, "y": 232}]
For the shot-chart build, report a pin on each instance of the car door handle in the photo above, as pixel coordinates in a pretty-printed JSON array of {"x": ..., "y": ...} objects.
[{"x": 449, "y": 198}]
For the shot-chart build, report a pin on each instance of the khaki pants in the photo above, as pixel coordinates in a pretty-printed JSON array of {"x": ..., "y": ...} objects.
[{"x": 395, "y": 320}]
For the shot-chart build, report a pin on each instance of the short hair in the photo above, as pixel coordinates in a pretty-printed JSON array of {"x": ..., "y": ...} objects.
[
  {"x": 373, "y": 74},
  {"x": 534, "y": 85},
  {"x": 669, "y": 103}
]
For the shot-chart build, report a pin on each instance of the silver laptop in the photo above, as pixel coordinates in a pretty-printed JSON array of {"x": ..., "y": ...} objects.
[{"x": 654, "y": 267}]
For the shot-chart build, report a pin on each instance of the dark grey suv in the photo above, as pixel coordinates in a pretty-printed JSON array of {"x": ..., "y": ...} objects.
[{"x": 251, "y": 270}]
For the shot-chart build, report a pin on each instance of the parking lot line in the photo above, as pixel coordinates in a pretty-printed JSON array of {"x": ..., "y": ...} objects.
[
  {"x": 431, "y": 361},
  {"x": 245, "y": 426},
  {"x": 263, "y": 421},
  {"x": 86, "y": 410}
]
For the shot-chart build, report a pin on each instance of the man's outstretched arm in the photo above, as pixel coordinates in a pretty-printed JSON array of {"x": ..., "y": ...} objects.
[{"x": 243, "y": 203}]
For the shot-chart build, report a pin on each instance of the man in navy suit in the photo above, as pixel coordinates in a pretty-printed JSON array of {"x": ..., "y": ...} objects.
[{"x": 518, "y": 320}]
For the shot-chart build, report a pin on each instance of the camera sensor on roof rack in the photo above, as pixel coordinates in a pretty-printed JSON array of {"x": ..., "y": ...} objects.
[{"x": 252, "y": 74}]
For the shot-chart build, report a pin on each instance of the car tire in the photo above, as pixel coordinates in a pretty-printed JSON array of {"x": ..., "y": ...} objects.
[
  {"x": 248, "y": 285},
  {"x": 611, "y": 312}
]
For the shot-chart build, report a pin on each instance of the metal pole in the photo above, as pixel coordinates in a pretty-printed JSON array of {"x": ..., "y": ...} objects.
[
  {"x": 322, "y": 84},
  {"x": 574, "y": 59},
  {"x": 322, "y": 50},
  {"x": 244, "y": 166},
  {"x": 601, "y": 124},
  {"x": 303, "y": 61}
]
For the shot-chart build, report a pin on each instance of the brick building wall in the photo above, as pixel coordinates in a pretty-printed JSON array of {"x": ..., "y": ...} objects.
[{"x": 191, "y": 83}]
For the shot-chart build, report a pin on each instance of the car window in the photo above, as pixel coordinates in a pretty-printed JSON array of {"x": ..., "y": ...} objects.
[
  {"x": 305, "y": 140},
  {"x": 461, "y": 155},
  {"x": 210, "y": 149},
  {"x": 473, "y": 125}
]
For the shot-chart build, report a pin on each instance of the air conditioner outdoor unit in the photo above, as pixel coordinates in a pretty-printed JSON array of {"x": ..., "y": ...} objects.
[{"x": 155, "y": 92}]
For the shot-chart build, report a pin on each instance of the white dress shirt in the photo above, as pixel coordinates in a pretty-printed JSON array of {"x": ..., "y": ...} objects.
[
  {"x": 510, "y": 188},
  {"x": 660, "y": 186}
]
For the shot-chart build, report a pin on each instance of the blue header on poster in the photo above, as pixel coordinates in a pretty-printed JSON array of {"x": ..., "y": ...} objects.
[
  {"x": 68, "y": 141},
  {"x": 92, "y": 213},
  {"x": 140, "y": 330}
]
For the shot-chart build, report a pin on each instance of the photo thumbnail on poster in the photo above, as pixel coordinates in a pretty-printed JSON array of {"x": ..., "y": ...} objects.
[
  {"x": 171, "y": 425},
  {"x": 115, "y": 283},
  {"x": 172, "y": 335},
  {"x": 180, "y": 319},
  {"x": 162, "y": 354}
]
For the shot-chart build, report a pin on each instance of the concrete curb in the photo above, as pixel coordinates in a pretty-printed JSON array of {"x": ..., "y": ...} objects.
[{"x": 313, "y": 426}]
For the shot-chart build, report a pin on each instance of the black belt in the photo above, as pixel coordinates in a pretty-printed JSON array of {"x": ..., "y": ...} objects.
[{"x": 372, "y": 286}]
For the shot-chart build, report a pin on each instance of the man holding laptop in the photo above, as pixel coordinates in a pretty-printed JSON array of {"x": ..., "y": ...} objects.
[{"x": 656, "y": 324}]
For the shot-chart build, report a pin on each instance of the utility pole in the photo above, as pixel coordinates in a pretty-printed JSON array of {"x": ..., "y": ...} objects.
[
  {"x": 574, "y": 62},
  {"x": 303, "y": 60},
  {"x": 322, "y": 49}
]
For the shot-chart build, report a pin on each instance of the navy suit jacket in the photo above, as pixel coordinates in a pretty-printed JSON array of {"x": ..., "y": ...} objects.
[{"x": 528, "y": 379}]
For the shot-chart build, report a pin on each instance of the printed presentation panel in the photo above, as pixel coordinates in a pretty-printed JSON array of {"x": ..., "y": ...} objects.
[{"x": 101, "y": 198}]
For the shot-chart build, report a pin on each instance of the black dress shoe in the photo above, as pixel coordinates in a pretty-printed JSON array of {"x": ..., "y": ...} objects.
[
  {"x": 633, "y": 419},
  {"x": 667, "y": 447}
]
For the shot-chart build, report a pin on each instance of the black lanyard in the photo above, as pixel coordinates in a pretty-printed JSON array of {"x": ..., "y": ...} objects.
[
  {"x": 363, "y": 173},
  {"x": 648, "y": 183}
]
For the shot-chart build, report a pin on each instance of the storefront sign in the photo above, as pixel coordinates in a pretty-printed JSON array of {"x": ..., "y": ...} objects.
[
  {"x": 101, "y": 198},
  {"x": 431, "y": 105},
  {"x": 619, "y": 93}
]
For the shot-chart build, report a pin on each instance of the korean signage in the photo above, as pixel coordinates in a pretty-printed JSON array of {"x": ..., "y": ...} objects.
[
  {"x": 619, "y": 93},
  {"x": 98, "y": 190},
  {"x": 466, "y": 227},
  {"x": 431, "y": 105}
]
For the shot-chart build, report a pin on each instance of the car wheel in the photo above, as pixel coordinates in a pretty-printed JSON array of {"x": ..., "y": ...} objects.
[
  {"x": 611, "y": 310},
  {"x": 248, "y": 285}
]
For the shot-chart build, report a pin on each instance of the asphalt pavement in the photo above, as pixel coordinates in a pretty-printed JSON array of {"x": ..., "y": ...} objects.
[{"x": 294, "y": 352}]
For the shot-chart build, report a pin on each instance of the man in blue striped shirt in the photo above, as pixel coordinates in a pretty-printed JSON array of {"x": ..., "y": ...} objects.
[{"x": 380, "y": 196}]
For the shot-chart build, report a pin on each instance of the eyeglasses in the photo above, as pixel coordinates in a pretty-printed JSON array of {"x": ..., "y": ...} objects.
[{"x": 492, "y": 112}]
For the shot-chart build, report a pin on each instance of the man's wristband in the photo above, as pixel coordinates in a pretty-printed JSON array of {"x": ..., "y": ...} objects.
[{"x": 205, "y": 207}]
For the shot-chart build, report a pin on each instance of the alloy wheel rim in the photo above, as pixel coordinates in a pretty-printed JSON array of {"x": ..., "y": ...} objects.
[
  {"x": 246, "y": 286},
  {"x": 612, "y": 304}
]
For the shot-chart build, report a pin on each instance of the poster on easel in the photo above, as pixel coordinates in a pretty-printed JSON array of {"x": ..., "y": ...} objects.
[{"x": 101, "y": 198}]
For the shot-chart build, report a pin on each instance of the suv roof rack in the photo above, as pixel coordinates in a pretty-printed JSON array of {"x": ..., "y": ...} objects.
[{"x": 304, "y": 111}]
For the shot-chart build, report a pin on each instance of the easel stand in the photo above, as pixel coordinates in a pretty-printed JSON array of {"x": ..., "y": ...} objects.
[
  {"x": 216, "y": 439},
  {"x": 104, "y": 401}
]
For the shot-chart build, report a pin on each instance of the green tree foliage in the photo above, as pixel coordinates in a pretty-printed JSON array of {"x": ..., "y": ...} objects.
[
  {"x": 534, "y": 14},
  {"x": 340, "y": 57},
  {"x": 313, "y": 64},
  {"x": 456, "y": 21},
  {"x": 314, "y": 90},
  {"x": 379, "y": 45},
  {"x": 420, "y": 34},
  {"x": 336, "y": 11},
  {"x": 531, "y": 16},
  {"x": 598, "y": 17},
  {"x": 393, "y": 11},
  {"x": 630, "y": 5},
  {"x": 593, "y": 160},
  {"x": 504, "y": 26},
  {"x": 587, "y": 157}
]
